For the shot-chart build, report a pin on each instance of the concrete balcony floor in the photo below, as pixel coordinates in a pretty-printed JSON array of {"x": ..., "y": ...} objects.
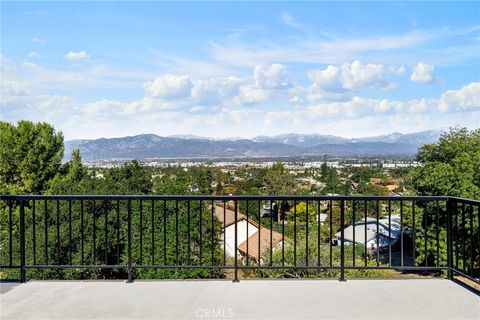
[{"x": 249, "y": 299}]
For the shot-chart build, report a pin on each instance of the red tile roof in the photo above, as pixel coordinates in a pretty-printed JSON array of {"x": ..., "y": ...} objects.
[{"x": 264, "y": 243}]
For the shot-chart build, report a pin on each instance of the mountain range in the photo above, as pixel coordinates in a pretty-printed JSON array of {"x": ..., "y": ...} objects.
[{"x": 146, "y": 146}]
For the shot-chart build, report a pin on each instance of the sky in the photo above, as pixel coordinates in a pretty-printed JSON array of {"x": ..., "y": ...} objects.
[{"x": 240, "y": 69}]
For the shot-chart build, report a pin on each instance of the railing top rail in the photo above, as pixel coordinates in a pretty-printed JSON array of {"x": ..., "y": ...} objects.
[
  {"x": 227, "y": 197},
  {"x": 465, "y": 200}
]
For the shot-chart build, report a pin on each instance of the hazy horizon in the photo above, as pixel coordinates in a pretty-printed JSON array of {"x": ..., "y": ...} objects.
[
  {"x": 187, "y": 135},
  {"x": 220, "y": 70}
]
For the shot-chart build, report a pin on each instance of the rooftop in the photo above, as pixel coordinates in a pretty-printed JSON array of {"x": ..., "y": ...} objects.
[{"x": 249, "y": 299}]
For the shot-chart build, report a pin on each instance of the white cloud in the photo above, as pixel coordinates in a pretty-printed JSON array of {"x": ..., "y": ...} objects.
[
  {"x": 422, "y": 73},
  {"x": 289, "y": 20},
  {"x": 354, "y": 76},
  {"x": 272, "y": 77},
  {"x": 33, "y": 55},
  {"x": 13, "y": 88},
  {"x": 215, "y": 90},
  {"x": 81, "y": 55},
  {"x": 328, "y": 79},
  {"x": 295, "y": 100},
  {"x": 105, "y": 108},
  {"x": 249, "y": 95},
  {"x": 465, "y": 98},
  {"x": 169, "y": 87},
  {"x": 37, "y": 40}
]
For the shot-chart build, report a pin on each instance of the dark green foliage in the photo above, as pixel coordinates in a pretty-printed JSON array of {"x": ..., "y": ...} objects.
[
  {"x": 449, "y": 167},
  {"x": 30, "y": 156}
]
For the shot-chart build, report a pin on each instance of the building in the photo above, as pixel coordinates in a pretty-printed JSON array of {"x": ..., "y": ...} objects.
[
  {"x": 245, "y": 228},
  {"x": 258, "y": 242},
  {"x": 356, "y": 233}
]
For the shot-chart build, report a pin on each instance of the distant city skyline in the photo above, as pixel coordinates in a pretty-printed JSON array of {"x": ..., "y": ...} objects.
[{"x": 112, "y": 69}]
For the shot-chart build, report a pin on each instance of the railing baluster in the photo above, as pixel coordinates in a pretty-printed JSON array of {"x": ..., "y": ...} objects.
[
  {"x": 94, "y": 213},
  {"x": 271, "y": 234},
  {"x": 58, "y": 233},
  {"x": 212, "y": 234},
  {"x": 354, "y": 244},
  {"x": 224, "y": 235},
  {"x": 283, "y": 217},
  {"x": 295, "y": 232},
  {"x": 176, "y": 232},
  {"x": 472, "y": 242},
  {"x": 464, "y": 236},
  {"x": 259, "y": 229},
  {"x": 248, "y": 222},
  {"x": 319, "y": 263},
  {"x": 425, "y": 231},
  {"x": 22, "y": 242},
  {"x": 449, "y": 206},
  {"x": 164, "y": 232},
  {"x": 153, "y": 232},
  {"x": 118, "y": 231},
  {"x": 129, "y": 241},
  {"x": 188, "y": 232},
  {"x": 34, "y": 242},
  {"x": 342, "y": 235},
  {"x": 331, "y": 231},
  {"x": 81, "y": 231},
  {"x": 10, "y": 232},
  {"x": 236, "y": 243},
  {"x": 306, "y": 232},
  {"x": 457, "y": 249},
  {"x": 414, "y": 233},
  {"x": 201, "y": 231},
  {"x": 70, "y": 241},
  {"x": 401, "y": 233},
  {"x": 389, "y": 233},
  {"x": 378, "y": 233},
  {"x": 106, "y": 234},
  {"x": 141, "y": 231},
  {"x": 437, "y": 232},
  {"x": 365, "y": 215}
]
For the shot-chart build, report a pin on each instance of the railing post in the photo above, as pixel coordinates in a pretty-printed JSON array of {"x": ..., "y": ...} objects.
[
  {"x": 449, "y": 238},
  {"x": 129, "y": 241},
  {"x": 235, "y": 279},
  {"x": 22, "y": 242},
  {"x": 342, "y": 245}
]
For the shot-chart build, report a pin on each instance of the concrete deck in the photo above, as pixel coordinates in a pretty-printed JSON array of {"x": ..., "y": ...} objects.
[{"x": 249, "y": 299}]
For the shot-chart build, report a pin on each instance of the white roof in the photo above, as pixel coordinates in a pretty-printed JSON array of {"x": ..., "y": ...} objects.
[{"x": 371, "y": 234}]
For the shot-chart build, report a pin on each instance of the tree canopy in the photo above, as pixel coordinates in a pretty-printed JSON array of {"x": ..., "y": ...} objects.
[
  {"x": 30, "y": 156},
  {"x": 450, "y": 166}
]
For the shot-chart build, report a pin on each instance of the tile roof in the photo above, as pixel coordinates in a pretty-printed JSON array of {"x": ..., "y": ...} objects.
[
  {"x": 264, "y": 243},
  {"x": 227, "y": 217}
]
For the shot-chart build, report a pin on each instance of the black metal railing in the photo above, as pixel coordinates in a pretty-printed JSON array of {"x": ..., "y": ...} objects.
[{"x": 164, "y": 236}]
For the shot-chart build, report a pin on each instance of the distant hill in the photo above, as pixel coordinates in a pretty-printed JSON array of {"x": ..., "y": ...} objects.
[{"x": 287, "y": 145}]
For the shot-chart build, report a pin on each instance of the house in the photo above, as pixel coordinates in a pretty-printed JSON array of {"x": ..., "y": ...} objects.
[
  {"x": 259, "y": 244},
  {"x": 268, "y": 209},
  {"x": 246, "y": 229},
  {"x": 322, "y": 217},
  {"x": 371, "y": 233}
]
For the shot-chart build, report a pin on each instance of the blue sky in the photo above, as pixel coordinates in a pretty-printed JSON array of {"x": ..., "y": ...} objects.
[{"x": 105, "y": 69}]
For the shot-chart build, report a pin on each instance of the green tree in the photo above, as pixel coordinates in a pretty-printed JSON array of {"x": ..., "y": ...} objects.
[
  {"x": 278, "y": 181},
  {"x": 30, "y": 156},
  {"x": 301, "y": 210},
  {"x": 448, "y": 167}
]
